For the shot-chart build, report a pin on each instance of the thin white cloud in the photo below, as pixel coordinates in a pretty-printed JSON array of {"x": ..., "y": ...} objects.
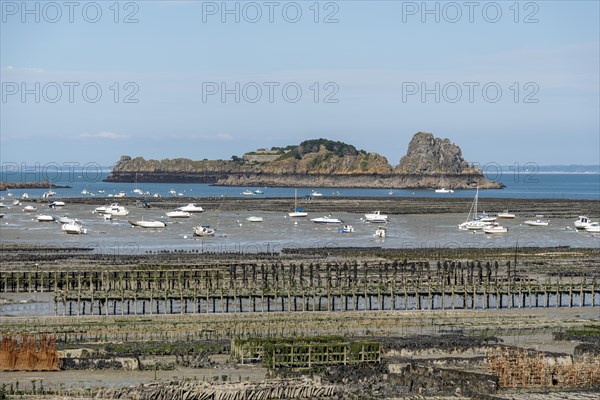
[
  {"x": 10, "y": 68},
  {"x": 223, "y": 136},
  {"x": 104, "y": 135}
]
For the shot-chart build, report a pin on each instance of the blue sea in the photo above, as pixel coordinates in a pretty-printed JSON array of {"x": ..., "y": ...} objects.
[{"x": 527, "y": 185}]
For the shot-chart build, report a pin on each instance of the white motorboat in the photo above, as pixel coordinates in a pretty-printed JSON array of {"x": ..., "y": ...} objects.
[
  {"x": 120, "y": 195},
  {"x": 74, "y": 228},
  {"x": 16, "y": 203},
  {"x": 444, "y": 190},
  {"x": 381, "y": 232},
  {"x": 495, "y": 228},
  {"x": 593, "y": 227},
  {"x": 116, "y": 210},
  {"x": 298, "y": 212},
  {"x": 101, "y": 191},
  {"x": 156, "y": 195},
  {"x": 582, "y": 222},
  {"x": 473, "y": 223},
  {"x": 203, "y": 231},
  {"x": 138, "y": 191},
  {"x": 107, "y": 216},
  {"x": 25, "y": 196},
  {"x": 314, "y": 193},
  {"x": 505, "y": 214},
  {"x": 191, "y": 208},
  {"x": 148, "y": 223},
  {"x": 172, "y": 191},
  {"x": 85, "y": 191},
  {"x": 485, "y": 217},
  {"x": 67, "y": 220},
  {"x": 45, "y": 218},
  {"x": 258, "y": 191},
  {"x": 101, "y": 209},
  {"x": 537, "y": 222},
  {"x": 29, "y": 209},
  {"x": 248, "y": 193},
  {"x": 56, "y": 204},
  {"x": 326, "y": 220},
  {"x": 178, "y": 214},
  {"x": 346, "y": 229},
  {"x": 2, "y": 205},
  {"x": 254, "y": 219},
  {"x": 376, "y": 216},
  {"x": 48, "y": 194}
]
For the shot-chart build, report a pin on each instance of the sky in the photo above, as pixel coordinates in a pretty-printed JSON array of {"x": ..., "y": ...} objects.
[{"x": 509, "y": 82}]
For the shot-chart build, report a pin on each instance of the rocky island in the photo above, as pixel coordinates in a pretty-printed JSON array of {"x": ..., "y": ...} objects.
[{"x": 429, "y": 163}]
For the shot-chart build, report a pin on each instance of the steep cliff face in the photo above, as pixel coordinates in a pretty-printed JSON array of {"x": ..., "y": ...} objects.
[{"x": 428, "y": 155}]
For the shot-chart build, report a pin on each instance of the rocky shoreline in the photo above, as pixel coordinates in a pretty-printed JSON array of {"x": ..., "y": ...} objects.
[
  {"x": 371, "y": 181},
  {"x": 30, "y": 185}
]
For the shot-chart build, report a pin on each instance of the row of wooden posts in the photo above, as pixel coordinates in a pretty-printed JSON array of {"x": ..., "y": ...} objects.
[
  {"x": 250, "y": 276},
  {"x": 386, "y": 296}
]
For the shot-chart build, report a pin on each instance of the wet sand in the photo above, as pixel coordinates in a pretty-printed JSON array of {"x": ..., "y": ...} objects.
[{"x": 278, "y": 231}]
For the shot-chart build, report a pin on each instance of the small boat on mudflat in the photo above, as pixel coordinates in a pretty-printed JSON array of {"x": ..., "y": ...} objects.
[
  {"x": 376, "y": 216},
  {"x": 537, "y": 222},
  {"x": 326, "y": 220},
  {"x": 204, "y": 231},
  {"x": 582, "y": 222},
  {"x": 178, "y": 214},
  {"x": 495, "y": 228},
  {"x": 593, "y": 227},
  {"x": 346, "y": 229},
  {"x": 505, "y": 214},
  {"x": 74, "y": 228},
  {"x": 191, "y": 208},
  {"x": 148, "y": 223},
  {"x": 381, "y": 232}
]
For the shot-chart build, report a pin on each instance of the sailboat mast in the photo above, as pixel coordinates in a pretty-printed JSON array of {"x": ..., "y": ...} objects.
[{"x": 295, "y": 199}]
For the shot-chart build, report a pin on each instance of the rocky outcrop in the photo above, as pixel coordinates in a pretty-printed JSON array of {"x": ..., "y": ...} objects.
[
  {"x": 429, "y": 163},
  {"x": 30, "y": 185},
  {"x": 428, "y": 155}
]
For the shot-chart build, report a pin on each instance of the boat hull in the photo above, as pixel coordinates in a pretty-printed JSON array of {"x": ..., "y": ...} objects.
[
  {"x": 536, "y": 223},
  {"x": 178, "y": 214},
  {"x": 203, "y": 231},
  {"x": 495, "y": 230},
  {"x": 298, "y": 214},
  {"x": 326, "y": 221},
  {"x": 148, "y": 224}
]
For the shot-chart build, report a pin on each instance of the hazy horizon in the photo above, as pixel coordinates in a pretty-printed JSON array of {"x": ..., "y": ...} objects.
[{"x": 508, "y": 82}]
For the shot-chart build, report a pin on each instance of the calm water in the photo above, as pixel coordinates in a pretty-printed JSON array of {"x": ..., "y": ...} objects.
[{"x": 548, "y": 186}]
